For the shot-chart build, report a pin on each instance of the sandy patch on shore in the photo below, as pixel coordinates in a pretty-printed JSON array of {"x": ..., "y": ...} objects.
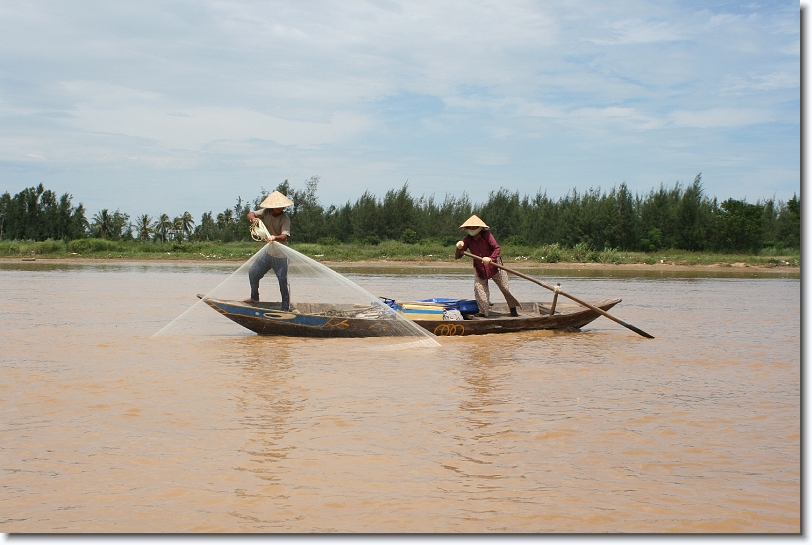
[
  {"x": 462, "y": 264},
  {"x": 717, "y": 267}
]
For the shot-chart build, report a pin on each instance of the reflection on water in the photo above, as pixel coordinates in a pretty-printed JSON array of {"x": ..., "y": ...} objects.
[
  {"x": 587, "y": 271},
  {"x": 266, "y": 403},
  {"x": 107, "y": 429}
]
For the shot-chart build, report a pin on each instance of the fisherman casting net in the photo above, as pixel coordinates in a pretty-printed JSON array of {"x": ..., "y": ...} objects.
[{"x": 322, "y": 303}]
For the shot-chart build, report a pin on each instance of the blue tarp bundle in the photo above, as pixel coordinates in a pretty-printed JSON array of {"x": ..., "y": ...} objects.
[
  {"x": 466, "y": 306},
  {"x": 392, "y": 303}
]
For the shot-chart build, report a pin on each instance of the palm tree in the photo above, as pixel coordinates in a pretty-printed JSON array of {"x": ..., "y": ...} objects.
[
  {"x": 225, "y": 218},
  {"x": 79, "y": 224},
  {"x": 207, "y": 227},
  {"x": 177, "y": 229},
  {"x": 186, "y": 224},
  {"x": 163, "y": 225},
  {"x": 119, "y": 223},
  {"x": 103, "y": 223},
  {"x": 145, "y": 227}
]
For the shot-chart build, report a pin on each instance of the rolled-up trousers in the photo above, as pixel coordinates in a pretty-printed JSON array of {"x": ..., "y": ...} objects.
[
  {"x": 261, "y": 266},
  {"x": 483, "y": 295}
]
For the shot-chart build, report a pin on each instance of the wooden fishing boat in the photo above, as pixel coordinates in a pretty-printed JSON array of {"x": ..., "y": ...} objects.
[{"x": 375, "y": 320}]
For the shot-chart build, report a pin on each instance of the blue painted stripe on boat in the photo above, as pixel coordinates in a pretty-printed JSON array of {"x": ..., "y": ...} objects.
[
  {"x": 313, "y": 321},
  {"x": 298, "y": 319}
]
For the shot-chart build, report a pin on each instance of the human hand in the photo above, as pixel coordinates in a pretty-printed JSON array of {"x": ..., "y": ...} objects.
[
  {"x": 486, "y": 260},
  {"x": 271, "y": 238},
  {"x": 460, "y": 244}
]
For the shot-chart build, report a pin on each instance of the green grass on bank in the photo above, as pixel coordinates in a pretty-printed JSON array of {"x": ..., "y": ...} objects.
[
  {"x": 96, "y": 248},
  {"x": 389, "y": 250}
]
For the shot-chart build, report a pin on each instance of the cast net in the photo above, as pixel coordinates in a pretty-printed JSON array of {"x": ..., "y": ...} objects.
[{"x": 322, "y": 303}]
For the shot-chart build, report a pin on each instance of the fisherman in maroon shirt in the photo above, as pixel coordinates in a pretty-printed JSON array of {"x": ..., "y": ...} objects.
[{"x": 480, "y": 242}]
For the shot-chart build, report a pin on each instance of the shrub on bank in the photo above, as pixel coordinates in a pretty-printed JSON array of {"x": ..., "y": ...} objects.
[
  {"x": 84, "y": 245},
  {"x": 389, "y": 250},
  {"x": 31, "y": 248},
  {"x": 549, "y": 253}
]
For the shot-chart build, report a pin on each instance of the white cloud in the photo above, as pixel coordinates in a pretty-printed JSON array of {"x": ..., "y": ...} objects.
[
  {"x": 741, "y": 84},
  {"x": 493, "y": 159},
  {"x": 720, "y": 117},
  {"x": 252, "y": 89},
  {"x": 192, "y": 128},
  {"x": 777, "y": 80},
  {"x": 104, "y": 94},
  {"x": 640, "y": 31},
  {"x": 115, "y": 109}
]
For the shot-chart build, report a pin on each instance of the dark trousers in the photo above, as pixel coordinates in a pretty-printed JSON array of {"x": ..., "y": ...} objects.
[{"x": 261, "y": 266}]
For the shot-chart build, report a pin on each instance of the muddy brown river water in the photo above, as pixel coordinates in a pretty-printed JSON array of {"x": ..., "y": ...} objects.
[{"x": 107, "y": 428}]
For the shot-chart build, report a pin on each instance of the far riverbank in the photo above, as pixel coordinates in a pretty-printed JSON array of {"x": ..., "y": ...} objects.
[
  {"x": 392, "y": 253},
  {"x": 463, "y": 264},
  {"x": 524, "y": 265}
]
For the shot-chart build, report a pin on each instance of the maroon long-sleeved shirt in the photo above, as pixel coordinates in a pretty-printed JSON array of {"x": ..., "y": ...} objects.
[{"x": 486, "y": 246}]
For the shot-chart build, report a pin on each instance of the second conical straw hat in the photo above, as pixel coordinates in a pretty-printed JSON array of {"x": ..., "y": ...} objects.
[
  {"x": 276, "y": 200},
  {"x": 473, "y": 222}
]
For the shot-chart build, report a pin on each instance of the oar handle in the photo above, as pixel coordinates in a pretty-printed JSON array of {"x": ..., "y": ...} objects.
[{"x": 553, "y": 288}]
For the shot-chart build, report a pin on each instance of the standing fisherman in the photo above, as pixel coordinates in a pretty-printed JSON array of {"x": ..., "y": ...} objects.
[
  {"x": 278, "y": 224},
  {"x": 480, "y": 242}
]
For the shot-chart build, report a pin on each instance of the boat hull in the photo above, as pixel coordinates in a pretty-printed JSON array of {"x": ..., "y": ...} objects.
[
  {"x": 569, "y": 320},
  {"x": 269, "y": 319}
]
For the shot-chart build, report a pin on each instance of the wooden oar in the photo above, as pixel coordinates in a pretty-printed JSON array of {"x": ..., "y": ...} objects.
[{"x": 553, "y": 288}]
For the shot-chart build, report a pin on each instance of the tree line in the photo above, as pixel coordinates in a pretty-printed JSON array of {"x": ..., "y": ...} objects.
[{"x": 679, "y": 217}]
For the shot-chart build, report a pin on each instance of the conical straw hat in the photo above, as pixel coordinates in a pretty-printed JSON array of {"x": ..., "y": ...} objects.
[
  {"x": 276, "y": 200},
  {"x": 473, "y": 222}
]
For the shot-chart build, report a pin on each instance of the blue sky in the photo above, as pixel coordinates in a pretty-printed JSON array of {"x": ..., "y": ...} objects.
[{"x": 163, "y": 107}]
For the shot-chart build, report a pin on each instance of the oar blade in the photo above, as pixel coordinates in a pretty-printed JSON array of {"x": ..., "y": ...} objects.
[{"x": 635, "y": 329}]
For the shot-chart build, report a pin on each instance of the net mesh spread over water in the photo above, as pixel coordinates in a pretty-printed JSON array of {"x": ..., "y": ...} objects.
[{"x": 315, "y": 291}]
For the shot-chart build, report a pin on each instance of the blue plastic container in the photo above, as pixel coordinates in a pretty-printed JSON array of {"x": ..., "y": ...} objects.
[{"x": 466, "y": 306}]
